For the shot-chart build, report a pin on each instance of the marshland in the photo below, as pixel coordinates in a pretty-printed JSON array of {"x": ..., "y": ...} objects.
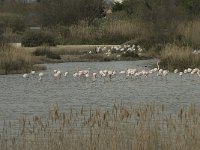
[{"x": 99, "y": 74}]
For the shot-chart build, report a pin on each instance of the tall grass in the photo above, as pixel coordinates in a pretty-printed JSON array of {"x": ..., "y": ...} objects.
[
  {"x": 107, "y": 32},
  {"x": 139, "y": 127},
  {"x": 13, "y": 60},
  {"x": 180, "y": 57},
  {"x": 128, "y": 29},
  {"x": 190, "y": 32}
]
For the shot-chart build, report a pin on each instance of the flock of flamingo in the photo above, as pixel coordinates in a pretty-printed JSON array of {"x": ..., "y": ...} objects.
[{"x": 57, "y": 74}]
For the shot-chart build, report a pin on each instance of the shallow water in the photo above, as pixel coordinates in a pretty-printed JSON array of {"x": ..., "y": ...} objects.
[{"x": 32, "y": 97}]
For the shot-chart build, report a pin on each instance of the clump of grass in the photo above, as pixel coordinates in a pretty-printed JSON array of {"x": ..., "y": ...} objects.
[
  {"x": 144, "y": 126},
  {"x": 16, "y": 60},
  {"x": 180, "y": 57},
  {"x": 45, "y": 51}
]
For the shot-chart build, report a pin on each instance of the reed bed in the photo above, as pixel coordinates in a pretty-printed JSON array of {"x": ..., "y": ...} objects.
[
  {"x": 129, "y": 29},
  {"x": 190, "y": 32},
  {"x": 180, "y": 57},
  {"x": 16, "y": 60},
  {"x": 107, "y": 32},
  {"x": 140, "y": 127}
]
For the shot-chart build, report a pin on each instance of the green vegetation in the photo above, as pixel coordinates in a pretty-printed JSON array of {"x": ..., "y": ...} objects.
[{"x": 144, "y": 126}]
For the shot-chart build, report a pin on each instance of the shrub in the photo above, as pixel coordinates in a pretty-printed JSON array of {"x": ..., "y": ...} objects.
[
  {"x": 44, "y": 51},
  {"x": 32, "y": 39}
]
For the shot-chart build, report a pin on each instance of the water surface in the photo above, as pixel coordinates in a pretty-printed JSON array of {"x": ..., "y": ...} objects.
[{"x": 32, "y": 97}]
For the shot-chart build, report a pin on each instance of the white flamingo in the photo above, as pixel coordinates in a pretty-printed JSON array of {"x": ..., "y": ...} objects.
[
  {"x": 189, "y": 70},
  {"x": 75, "y": 74},
  {"x": 165, "y": 73},
  {"x": 32, "y": 72},
  {"x": 65, "y": 74},
  {"x": 176, "y": 71},
  {"x": 57, "y": 75},
  {"x": 94, "y": 75},
  {"x": 41, "y": 74},
  {"x": 25, "y": 75},
  {"x": 185, "y": 71}
]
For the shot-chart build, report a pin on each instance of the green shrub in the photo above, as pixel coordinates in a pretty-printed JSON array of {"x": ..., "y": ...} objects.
[
  {"x": 32, "y": 39},
  {"x": 46, "y": 52}
]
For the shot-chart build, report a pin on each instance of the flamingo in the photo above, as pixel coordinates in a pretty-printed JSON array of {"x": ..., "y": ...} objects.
[
  {"x": 198, "y": 73},
  {"x": 94, "y": 75},
  {"x": 176, "y": 71},
  {"x": 158, "y": 66},
  {"x": 41, "y": 74},
  {"x": 165, "y": 72},
  {"x": 25, "y": 75},
  {"x": 160, "y": 72},
  {"x": 102, "y": 74},
  {"x": 185, "y": 71},
  {"x": 57, "y": 75},
  {"x": 32, "y": 72},
  {"x": 110, "y": 73},
  {"x": 65, "y": 74},
  {"x": 189, "y": 70},
  {"x": 75, "y": 74},
  {"x": 122, "y": 72},
  {"x": 87, "y": 75}
]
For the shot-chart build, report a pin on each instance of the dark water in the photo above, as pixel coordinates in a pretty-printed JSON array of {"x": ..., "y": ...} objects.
[{"x": 32, "y": 97}]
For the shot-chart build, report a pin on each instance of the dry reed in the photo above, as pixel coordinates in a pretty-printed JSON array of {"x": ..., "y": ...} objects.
[
  {"x": 16, "y": 60},
  {"x": 191, "y": 32},
  {"x": 140, "y": 127},
  {"x": 180, "y": 57},
  {"x": 112, "y": 32}
]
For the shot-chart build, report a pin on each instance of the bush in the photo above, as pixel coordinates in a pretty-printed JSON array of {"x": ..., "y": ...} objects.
[
  {"x": 32, "y": 39},
  {"x": 46, "y": 52}
]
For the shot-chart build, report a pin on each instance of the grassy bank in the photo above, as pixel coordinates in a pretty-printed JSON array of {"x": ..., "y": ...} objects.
[{"x": 146, "y": 127}]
